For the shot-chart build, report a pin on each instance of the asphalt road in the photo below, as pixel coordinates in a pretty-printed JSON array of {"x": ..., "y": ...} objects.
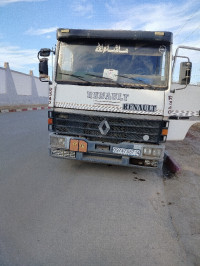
[{"x": 60, "y": 212}]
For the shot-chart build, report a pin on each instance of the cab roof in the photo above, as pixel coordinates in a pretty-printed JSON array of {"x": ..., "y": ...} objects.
[{"x": 150, "y": 36}]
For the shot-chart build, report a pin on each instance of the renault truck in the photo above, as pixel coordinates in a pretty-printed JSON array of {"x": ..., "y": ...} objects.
[{"x": 112, "y": 99}]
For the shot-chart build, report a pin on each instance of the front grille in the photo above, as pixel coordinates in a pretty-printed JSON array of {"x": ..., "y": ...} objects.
[{"x": 121, "y": 129}]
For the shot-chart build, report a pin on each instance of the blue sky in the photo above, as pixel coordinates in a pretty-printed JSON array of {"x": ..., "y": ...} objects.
[{"x": 28, "y": 25}]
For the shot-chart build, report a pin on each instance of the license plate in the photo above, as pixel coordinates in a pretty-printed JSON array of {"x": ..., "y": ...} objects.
[{"x": 123, "y": 151}]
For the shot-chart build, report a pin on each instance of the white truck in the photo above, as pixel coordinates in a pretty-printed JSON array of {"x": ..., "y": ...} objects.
[{"x": 112, "y": 98}]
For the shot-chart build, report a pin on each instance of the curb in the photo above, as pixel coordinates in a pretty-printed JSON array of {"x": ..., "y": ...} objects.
[
  {"x": 171, "y": 164},
  {"x": 12, "y": 110}
]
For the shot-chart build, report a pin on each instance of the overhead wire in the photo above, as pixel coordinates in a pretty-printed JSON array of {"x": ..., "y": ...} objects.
[
  {"x": 198, "y": 27},
  {"x": 196, "y": 74},
  {"x": 181, "y": 27}
]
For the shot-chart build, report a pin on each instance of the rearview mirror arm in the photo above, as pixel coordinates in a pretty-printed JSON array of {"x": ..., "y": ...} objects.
[{"x": 176, "y": 53}]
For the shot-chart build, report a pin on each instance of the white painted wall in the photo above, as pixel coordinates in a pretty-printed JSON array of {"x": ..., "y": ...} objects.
[
  {"x": 2, "y": 81},
  {"x": 21, "y": 89},
  {"x": 43, "y": 88},
  {"x": 22, "y": 83}
]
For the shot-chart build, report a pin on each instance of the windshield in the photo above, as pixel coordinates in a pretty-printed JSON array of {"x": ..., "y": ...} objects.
[{"x": 113, "y": 63}]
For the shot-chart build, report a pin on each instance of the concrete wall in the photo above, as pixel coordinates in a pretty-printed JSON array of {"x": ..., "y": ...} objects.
[{"x": 21, "y": 89}]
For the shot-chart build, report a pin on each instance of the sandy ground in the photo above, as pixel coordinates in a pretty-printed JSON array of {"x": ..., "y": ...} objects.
[{"x": 183, "y": 193}]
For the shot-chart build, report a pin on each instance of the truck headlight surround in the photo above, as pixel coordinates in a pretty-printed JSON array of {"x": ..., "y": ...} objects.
[{"x": 58, "y": 142}]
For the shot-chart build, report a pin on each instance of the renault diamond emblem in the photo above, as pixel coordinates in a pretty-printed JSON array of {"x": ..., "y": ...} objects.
[{"x": 104, "y": 127}]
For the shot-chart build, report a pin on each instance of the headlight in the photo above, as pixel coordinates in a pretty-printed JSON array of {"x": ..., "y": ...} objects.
[
  {"x": 152, "y": 152},
  {"x": 57, "y": 142},
  {"x": 147, "y": 151},
  {"x": 156, "y": 152}
]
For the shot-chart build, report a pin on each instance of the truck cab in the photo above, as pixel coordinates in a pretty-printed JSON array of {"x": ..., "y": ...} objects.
[{"x": 111, "y": 96}]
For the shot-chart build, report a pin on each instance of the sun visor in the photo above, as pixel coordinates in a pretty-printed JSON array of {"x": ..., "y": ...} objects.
[{"x": 149, "y": 36}]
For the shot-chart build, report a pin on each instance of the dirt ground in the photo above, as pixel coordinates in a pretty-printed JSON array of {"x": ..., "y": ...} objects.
[{"x": 183, "y": 193}]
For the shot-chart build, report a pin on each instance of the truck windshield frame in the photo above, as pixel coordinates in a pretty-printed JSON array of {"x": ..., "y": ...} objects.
[{"x": 113, "y": 63}]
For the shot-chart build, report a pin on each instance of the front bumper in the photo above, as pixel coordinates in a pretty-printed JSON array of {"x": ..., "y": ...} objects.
[{"x": 126, "y": 154}]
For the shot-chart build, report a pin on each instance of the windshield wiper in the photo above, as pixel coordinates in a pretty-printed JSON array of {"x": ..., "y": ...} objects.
[
  {"x": 135, "y": 79},
  {"x": 92, "y": 75},
  {"x": 76, "y": 76},
  {"x": 97, "y": 76}
]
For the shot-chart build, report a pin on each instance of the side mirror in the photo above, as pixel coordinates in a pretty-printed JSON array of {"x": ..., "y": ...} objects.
[
  {"x": 43, "y": 70},
  {"x": 43, "y": 64},
  {"x": 44, "y": 52},
  {"x": 185, "y": 73}
]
